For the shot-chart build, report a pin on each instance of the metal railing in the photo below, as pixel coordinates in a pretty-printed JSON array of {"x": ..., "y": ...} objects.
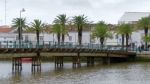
[{"x": 51, "y": 44}]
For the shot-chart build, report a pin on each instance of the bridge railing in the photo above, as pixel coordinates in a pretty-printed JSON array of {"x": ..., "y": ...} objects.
[{"x": 51, "y": 44}]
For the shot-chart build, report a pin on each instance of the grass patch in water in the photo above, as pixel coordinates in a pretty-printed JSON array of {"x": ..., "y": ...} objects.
[{"x": 142, "y": 59}]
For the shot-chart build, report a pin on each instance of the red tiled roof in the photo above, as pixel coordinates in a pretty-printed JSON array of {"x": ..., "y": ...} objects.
[{"x": 5, "y": 29}]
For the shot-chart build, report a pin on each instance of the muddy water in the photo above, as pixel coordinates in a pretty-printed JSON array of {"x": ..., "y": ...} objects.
[{"x": 124, "y": 73}]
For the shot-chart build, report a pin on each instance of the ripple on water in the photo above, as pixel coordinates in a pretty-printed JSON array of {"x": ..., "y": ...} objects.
[{"x": 125, "y": 73}]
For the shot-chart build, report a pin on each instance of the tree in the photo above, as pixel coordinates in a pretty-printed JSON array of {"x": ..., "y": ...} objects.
[
  {"x": 62, "y": 20},
  {"x": 125, "y": 30},
  {"x": 57, "y": 30},
  {"x": 101, "y": 32},
  {"x": 19, "y": 23},
  {"x": 37, "y": 26},
  {"x": 147, "y": 38},
  {"x": 144, "y": 23},
  {"x": 80, "y": 21}
]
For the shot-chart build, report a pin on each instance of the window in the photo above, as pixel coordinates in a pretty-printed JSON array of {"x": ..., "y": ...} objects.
[
  {"x": 41, "y": 38},
  {"x": 26, "y": 38},
  {"x": 70, "y": 38},
  {"x": 17, "y": 37}
]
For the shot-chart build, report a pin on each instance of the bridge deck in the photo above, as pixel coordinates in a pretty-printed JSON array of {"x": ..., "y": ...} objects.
[{"x": 56, "y": 49}]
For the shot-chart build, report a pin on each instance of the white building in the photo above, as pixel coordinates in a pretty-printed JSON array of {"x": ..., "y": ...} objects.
[
  {"x": 133, "y": 17},
  {"x": 8, "y": 35}
]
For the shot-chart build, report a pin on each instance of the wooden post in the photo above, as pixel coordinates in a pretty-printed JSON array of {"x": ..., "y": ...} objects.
[
  {"x": 58, "y": 62},
  {"x": 13, "y": 65},
  {"x": 76, "y": 62},
  {"x": 88, "y": 61},
  {"x": 36, "y": 64}
]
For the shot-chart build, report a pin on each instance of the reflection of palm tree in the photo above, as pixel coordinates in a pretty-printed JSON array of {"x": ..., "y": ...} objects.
[
  {"x": 125, "y": 30},
  {"x": 19, "y": 23},
  {"x": 62, "y": 20},
  {"x": 144, "y": 23},
  {"x": 101, "y": 32}
]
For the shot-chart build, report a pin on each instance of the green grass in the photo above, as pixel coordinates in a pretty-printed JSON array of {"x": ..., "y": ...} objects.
[{"x": 142, "y": 59}]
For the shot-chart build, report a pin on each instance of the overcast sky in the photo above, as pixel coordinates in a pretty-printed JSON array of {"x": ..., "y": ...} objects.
[{"x": 107, "y": 10}]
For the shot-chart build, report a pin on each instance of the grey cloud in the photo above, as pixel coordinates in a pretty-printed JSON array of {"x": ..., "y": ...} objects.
[
  {"x": 47, "y": 10},
  {"x": 76, "y": 3}
]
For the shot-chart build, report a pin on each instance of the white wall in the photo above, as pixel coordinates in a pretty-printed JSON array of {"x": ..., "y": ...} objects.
[{"x": 136, "y": 37}]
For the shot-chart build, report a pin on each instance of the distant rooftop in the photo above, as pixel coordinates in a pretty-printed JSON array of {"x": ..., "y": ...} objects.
[
  {"x": 5, "y": 29},
  {"x": 133, "y": 16}
]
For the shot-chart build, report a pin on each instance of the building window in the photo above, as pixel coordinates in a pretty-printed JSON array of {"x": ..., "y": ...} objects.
[
  {"x": 41, "y": 38},
  {"x": 26, "y": 38},
  {"x": 17, "y": 38},
  {"x": 70, "y": 38}
]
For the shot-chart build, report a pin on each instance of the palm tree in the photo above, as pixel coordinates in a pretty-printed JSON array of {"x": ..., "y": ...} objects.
[
  {"x": 19, "y": 23},
  {"x": 80, "y": 21},
  {"x": 62, "y": 20},
  {"x": 125, "y": 30},
  {"x": 37, "y": 26},
  {"x": 101, "y": 32},
  {"x": 144, "y": 23},
  {"x": 57, "y": 30},
  {"x": 147, "y": 38}
]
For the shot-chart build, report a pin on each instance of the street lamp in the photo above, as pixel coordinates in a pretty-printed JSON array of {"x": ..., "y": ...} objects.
[{"x": 20, "y": 29}]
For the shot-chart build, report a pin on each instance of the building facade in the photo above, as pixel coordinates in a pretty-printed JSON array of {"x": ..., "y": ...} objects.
[{"x": 133, "y": 18}]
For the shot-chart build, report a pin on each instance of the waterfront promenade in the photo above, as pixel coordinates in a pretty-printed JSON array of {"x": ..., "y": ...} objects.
[{"x": 108, "y": 53}]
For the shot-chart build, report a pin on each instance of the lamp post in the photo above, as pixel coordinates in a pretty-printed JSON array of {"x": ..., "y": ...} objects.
[{"x": 20, "y": 29}]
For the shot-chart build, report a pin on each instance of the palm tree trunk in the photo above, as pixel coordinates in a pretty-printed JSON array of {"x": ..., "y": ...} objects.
[
  {"x": 37, "y": 35},
  {"x": 146, "y": 34},
  {"x": 102, "y": 41},
  {"x": 80, "y": 43},
  {"x": 63, "y": 35},
  {"x": 80, "y": 36},
  {"x": 123, "y": 41},
  {"x": 127, "y": 40},
  {"x": 58, "y": 38},
  {"x": 19, "y": 36},
  {"x": 63, "y": 38}
]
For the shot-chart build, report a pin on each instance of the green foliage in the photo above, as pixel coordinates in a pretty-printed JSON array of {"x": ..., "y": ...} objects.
[
  {"x": 62, "y": 20},
  {"x": 143, "y": 23},
  {"x": 125, "y": 29},
  {"x": 58, "y": 31},
  {"x": 19, "y": 23},
  {"x": 37, "y": 25},
  {"x": 101, "y": 31},
  {"x": 57, "y": 28},
  {"x": 146, "y": 38},
  {"x": 80, "y": 21}
]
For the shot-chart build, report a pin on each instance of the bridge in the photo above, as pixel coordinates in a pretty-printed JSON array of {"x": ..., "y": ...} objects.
[{"x": 59, "y": 51}]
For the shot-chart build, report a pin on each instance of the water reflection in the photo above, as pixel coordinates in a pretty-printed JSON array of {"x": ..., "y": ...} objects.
[{"x": 125, "y": 73}]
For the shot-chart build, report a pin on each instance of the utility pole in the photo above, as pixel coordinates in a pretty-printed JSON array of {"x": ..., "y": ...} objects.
[{"x": 5, "y": 11}]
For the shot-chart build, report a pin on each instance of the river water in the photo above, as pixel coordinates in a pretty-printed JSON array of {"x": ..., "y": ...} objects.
[{"x": 123, "y": 73}]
